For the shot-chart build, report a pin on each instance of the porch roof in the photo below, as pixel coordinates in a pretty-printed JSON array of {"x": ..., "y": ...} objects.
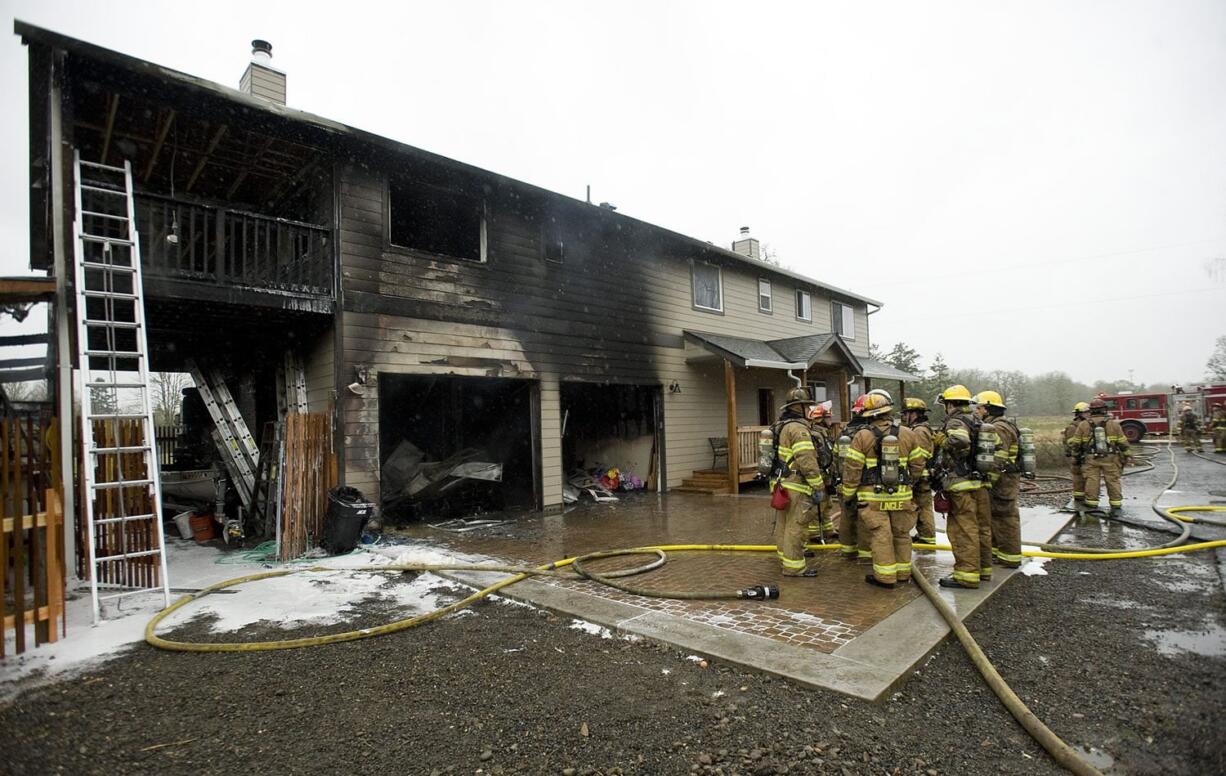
[
  {"x": 883, "y": 371},
  {"x": 789, "y": 353}
]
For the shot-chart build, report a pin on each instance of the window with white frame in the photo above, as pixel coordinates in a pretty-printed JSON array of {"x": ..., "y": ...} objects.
[
  {"x": 804, "y": 305},
  {"x": 843, "y": 320},
  {"x": 766, "y": 302},
  {"x": 708, "y": 287}
]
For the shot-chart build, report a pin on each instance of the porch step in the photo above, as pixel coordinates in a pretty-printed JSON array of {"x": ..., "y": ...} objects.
[{"x": 698, "y": 489}]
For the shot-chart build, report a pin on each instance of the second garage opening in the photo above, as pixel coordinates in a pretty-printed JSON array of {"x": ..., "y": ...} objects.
[{"x": 611, "y": 439}]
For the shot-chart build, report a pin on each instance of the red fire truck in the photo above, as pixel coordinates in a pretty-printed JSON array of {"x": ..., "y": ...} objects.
[{"x": 1157, "y": 413}]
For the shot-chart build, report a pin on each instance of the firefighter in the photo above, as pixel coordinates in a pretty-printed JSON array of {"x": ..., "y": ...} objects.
[
  {"x": 1218, "y": 423},
  {"x": 1072, "y": 451},
  {"x": 849, "y": 545},
  {"x": 821, "y": 517},
  {"x": 878, "y": 472},
  {"x": 1002, "y": 495},
  {"x": 798, "y": 474},
  {"x": 915, "y": 417},
  {"x": 960, "y": 467},
  {"x": 1105, "y": 451},
  {"x": 1189, "y": 429}
]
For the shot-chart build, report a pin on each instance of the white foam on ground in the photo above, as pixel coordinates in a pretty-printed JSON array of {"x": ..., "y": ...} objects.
[
  {"x": 319, "y": 597},
  {"x": 591, "y": 628},
  {"x": 1034, "y": 567}
]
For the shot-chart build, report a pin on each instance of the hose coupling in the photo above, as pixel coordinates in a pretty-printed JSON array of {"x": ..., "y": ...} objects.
[{"x": 760, "y": 592}]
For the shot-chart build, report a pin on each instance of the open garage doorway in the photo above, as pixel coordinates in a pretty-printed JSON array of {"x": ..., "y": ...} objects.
[
  {"x": 456, "y": 446},
  {"x": 612, "y": 438}
]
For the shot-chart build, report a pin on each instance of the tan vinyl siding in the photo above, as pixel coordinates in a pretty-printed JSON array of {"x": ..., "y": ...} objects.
[
  {"x": 320, "y": 367},
  {"x": 614, "y": 310}
]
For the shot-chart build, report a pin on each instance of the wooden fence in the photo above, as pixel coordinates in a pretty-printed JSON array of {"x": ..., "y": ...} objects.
[
  {"x": 31, "y": 532},
  {"x": 309, "y": 472},
  {"x": 122, "y": 536},
  {"x": 167, "y": 437}
]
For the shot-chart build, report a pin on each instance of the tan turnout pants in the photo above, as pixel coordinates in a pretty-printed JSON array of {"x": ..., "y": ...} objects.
[
  {"x": 925, "y": 520},
  {"x": 1106, "y": 469},
  {"x": 1079, "y": 481},
  {"x": 969, "y": 528},
  {"x": 1219, "y": 440},
  {"x": 1006, "y": 522},
  {"x": 1190, "y": 438},
  {"x": 889, "y": 536},
  {"x": 791, "y": 533}
]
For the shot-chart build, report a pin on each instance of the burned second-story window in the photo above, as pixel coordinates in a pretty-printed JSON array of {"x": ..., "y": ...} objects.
[
  {"x": 553, "y": 241},
  {"x": 433, "y": 219}
]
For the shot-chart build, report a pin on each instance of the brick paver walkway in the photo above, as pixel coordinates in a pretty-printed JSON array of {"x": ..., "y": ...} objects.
[{"x": 821, "y": 613}]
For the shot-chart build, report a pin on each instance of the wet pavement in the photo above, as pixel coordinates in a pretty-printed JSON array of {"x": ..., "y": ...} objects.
[{"x": 833, "y": 630}]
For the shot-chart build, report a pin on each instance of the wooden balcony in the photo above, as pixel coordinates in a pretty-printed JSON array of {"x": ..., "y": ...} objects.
[{"x": 201, "y": 252}]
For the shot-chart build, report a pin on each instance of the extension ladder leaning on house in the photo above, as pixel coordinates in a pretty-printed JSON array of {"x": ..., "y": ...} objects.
[{"x": 123, "y": 496}]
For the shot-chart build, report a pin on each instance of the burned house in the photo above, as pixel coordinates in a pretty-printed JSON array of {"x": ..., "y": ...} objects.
[{"x": 444, "y": 315}]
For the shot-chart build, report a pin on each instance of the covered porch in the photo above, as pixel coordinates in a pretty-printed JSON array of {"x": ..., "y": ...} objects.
[{"x": 757, "y": 375}]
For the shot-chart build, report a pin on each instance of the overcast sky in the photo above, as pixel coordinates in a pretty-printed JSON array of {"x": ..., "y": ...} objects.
[{"x": 1026, "y": 185}]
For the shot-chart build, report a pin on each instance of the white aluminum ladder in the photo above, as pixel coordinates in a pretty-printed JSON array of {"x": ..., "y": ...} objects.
[
  {"x": 233, "y": 440},
  {"x": 123, "y": 506}
]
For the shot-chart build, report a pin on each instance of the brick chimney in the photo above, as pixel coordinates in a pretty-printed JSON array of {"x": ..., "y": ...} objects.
[
  {"x": 746, "y": 245},
  {"x": 261, "y": 79}
]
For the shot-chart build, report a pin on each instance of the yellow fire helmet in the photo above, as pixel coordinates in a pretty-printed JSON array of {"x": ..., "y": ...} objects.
[
  {"x": 876, "y": 404},
  {"x": 1081, "y": 406},
  {"x": 956, "y": 393},
  {"x": 911, "y": 403},
  {"x": 991, "y": 399}
]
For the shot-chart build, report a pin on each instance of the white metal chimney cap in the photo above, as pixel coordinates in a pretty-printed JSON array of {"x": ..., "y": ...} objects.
[{"x": 261, "y": 51}]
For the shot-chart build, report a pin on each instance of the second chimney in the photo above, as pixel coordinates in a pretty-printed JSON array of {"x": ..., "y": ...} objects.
[
  {"x": 746, "y": 245},
  {"x": 261, "y": 79}
]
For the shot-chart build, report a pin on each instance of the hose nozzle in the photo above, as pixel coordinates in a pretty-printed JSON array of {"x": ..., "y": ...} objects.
[{"x": 760, "y": 592}]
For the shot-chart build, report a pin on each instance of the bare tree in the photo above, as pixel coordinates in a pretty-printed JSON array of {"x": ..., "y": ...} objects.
[
  {"x": 30, "y": 390},
  {"x": 168, "y": 396}
]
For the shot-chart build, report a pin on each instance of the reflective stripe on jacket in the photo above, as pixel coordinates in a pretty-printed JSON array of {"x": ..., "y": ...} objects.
[
  {"x": 862, "y": 458},
  {"x": 797, "y": 451}
]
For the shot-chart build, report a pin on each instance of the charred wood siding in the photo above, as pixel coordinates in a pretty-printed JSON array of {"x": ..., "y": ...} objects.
[{"x": 613, "y": 310}]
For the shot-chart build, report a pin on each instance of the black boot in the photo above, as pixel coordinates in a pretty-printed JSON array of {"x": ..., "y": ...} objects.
[
  {"x": 1115, "y": 512},
  {"x": 951, "y": 582},
  {"x": 874, "y": 581}
]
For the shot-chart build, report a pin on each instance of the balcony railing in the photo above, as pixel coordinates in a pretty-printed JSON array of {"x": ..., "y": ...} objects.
[{"x": 189, "y": 241}]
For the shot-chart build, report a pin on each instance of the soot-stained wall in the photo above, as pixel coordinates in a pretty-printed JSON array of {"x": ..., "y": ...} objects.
[{"x": 612, "y": 310}]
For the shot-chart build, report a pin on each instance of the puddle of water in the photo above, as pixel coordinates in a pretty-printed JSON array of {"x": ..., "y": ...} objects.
[
  {"x": 1096, "y": 757},
  {"x": 1186, "y": 576},
  {"x": 1114, "y": 603},
  {"x": 1209, "y": 640}
]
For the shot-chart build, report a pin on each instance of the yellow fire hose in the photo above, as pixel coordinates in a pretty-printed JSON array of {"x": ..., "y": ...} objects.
[{"x": 1060, "y": 751}]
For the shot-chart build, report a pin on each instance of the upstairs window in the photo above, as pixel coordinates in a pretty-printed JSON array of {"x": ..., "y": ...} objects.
[
  {"x": 708, "y": 287},
  {"x": 804, "y": 305},
  {"x": 553, "y": 243},
  {"x": 766, "y": 302},
  {"x": 843, "y": 320},
  {"x": 436, "y": 220}
]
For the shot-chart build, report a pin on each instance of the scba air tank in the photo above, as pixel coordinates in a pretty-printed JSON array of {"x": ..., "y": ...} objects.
[
  {"x": 985, "y": 454},
  {"x": 1027, "y": 455},
  {"x": 841, "y": 447},
  {"x": 766, "y": 451},
  {"x": 889, "y": 462},
  {"x": 1100, "y": 440}
]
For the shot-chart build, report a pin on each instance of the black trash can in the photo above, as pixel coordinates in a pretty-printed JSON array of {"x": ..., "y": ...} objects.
[{"x": 348, "y": 511}]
